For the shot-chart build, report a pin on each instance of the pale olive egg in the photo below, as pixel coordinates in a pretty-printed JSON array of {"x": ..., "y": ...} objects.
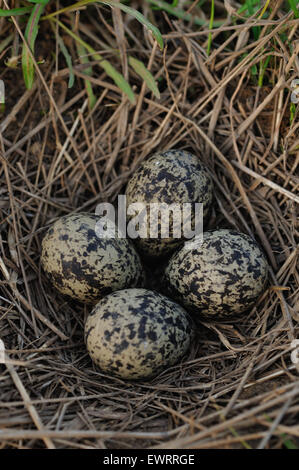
[
  {"x": 224, "y": 275},
  {"x": 84, "y": 265},
  {"x": 136, "y": 333},
  {"x": 175, "y": 178}
]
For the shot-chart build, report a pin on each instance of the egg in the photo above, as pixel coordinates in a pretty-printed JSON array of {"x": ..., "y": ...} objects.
[
  {"x": 136, "y": 333},
  {"x": 84, "y": 265},
  {"x": 224, "y": 275},
  {"x": 171, "y": 177}
]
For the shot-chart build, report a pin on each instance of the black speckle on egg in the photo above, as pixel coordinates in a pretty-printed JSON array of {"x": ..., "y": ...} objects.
[
  {"x": 171, "y": 177},
  {"x": 135, "y": 333},
  {"x": 223, "y": 276},
  {"x": 84, "y": 266}
]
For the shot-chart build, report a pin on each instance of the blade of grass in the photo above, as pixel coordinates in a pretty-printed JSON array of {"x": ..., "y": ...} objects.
[
  {"x": 145, "y": 74},
  {"x": 287, "y": 441},
  {"x": 264, "y": 9},
  {"x": 88, "y": 71},
  {"x": 15, "y": 11},
  {"x": 211, "y": 27},
  {"x": 253, "y": 68},
  {"x": 41, "y": 2},
  {"x": 109, "y": 69},
  {"x": 181, "y": 14},
  {"x": 68, "y": 60},
  {"x": 293, "y": 5},
  {"x": 67, "y": 56},
  {"x": 256, "y": 29},
  {"x": 173, "y": 4},
  {"x": 30, "y": 35},
  {"x": 263, "y": 66},
  {"x": 136, "y": 14},
  {"x": 292, "y": 112},
  {"x": 5, "y": 42},
  {"x": 244, "y": 7},
  {"x": 131, "y": 11},
  {"x": 231, "y": 428}
]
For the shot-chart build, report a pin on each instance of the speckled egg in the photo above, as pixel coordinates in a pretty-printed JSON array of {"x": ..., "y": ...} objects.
[
  {"x": 84, "y": 265},
  {"x": 171, "y": 177},
  {"x": 223, "y": 276},
  {"x": 136, "y": 333}
]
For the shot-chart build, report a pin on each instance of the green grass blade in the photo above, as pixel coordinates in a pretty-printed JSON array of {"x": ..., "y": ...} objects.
[
  {"x": 287, "y": 441},
  {"x": 91, "y": 96},
  {"x": 40, "y": 2},
  {"x": 181, "y": 14},
  {"x": 30, "y": 35},
  {"x": 118, "y": 79},
  {"x": 68, "y": 60},
  {"x": 67, "y": 56},
  {"x": 145, "y": 74},
  {"x": 293, "y": 5},
  {"x": 263, "y": 67},
  {"x": 289, "y": 444},
  {"x": 255, "y": 29},
  {"x": 5, "y": 42},
  {"x": 292, "y": 112},
  {"x": 88, "y": 71},
  {"x": 68, "y": 9},
  {"x": 138, "y": 16},
  {"x": 211, "y": 27},
  {"x": 264, "y": 9},
  {"x": 249, "y": 3},
  {"x": 131, "y": 11},
  {"x": 15, "y": 11}
]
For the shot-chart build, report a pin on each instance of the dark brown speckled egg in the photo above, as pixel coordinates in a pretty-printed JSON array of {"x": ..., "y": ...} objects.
[
  {"x": 223, "y": 276},
  {"x": 85, "y": 266},
  {"x": 171, "y": 177},
  {"x": 136, "y": 333}
]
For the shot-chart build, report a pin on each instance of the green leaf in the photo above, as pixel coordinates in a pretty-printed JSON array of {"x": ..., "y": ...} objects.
[
  {"x": 30, "y": 35},
  {"x": 15, "y": 11},
  {"x": 109, "y": 69},
  {"x": 145, "y": 74}
]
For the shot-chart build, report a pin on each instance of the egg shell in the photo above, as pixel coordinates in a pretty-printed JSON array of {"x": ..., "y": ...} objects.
[
  {"x": 223, "y": 276},
  {"x": 171, "y": 177},
  {"x": 85, "y": 266},
  {"x": 135, "y": 333}
]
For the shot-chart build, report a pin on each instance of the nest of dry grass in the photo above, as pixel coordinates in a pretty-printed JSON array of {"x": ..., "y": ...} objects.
[{"x": 238, "y": 387}]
